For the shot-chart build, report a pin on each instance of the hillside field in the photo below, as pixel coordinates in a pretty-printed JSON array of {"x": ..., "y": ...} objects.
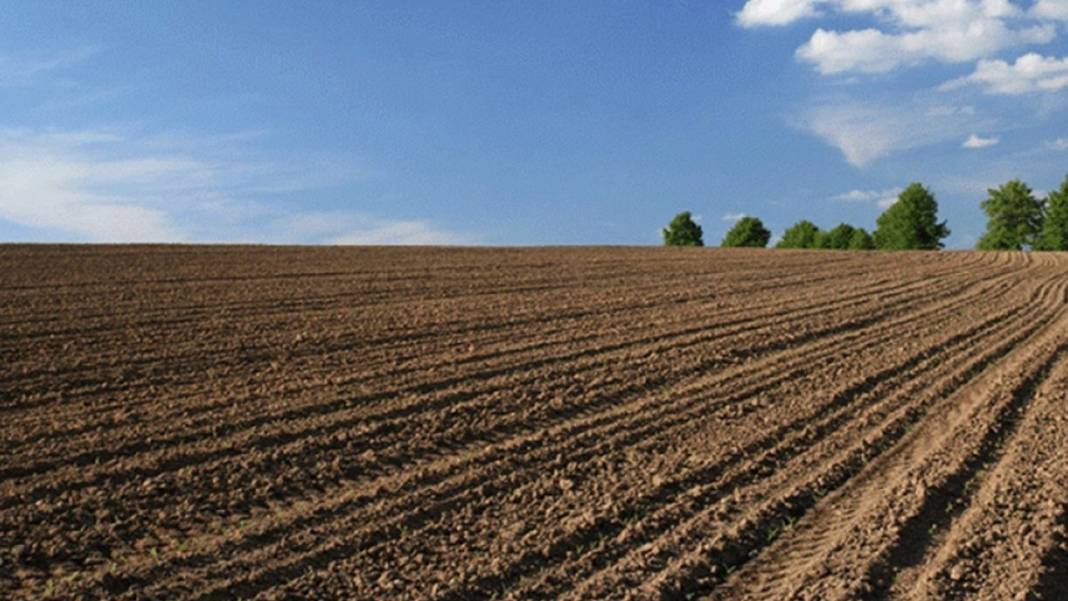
[{"x": 198, "y": 422}]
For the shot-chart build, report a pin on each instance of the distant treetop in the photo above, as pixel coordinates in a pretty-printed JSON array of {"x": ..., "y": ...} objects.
[
  {"x": 802, "y": 234},
  {"x": 1054, "y": 232},
  {"x": 838, "y": 237},
  {"x": 683, "y": 231},
  {"x": 1014, "y": 218},
  {"x": 911, "y": 223},
  {"x": 748, "y": 232}
]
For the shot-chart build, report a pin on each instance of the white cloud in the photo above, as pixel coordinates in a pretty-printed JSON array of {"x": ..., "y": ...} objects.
[
  {"x": 887, "y": 201},
  {"x": 868, "y": 50},
  {"x": 1058, "y": 144},
  {"x": 1051, "y": 9},
  {"x": 909, "y": 32},
  {"x": 858, "y": 131},
  {"x": 881, "y": 198},
  {"x": 1031, "y": 73},
  {"x": 732, "y": 217},
  {"x": 48, "y": 184},
  {"x": 975, "y": 142},
  {"x": 126, "y": 185},
  {"x": 758, "y": 13},
  {"x": 908, "y": 13},
  {"x": 874, "y": 51},
  {"x": 112, "y": 186},
  {"x": 857, "y": 196},
  {"x": 933, "y": 13},
  {"x": 866, "y": 132}
]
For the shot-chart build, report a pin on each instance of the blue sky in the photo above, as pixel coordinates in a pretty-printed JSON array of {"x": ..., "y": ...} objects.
[{"x": 511, "y": 123}]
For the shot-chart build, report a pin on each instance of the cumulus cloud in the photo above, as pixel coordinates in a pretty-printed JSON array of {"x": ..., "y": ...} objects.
[
  {"x": 881, "y": 198},
  {"x": 910, "y": 32},
  {"x": 1031, "y": 73},
  {"x": 732, "y": 217},
  {"x": 1051, "y": 9},
  {"x": 975, "y": 142},
  {"x": 757, "y": 13},
  {"x": 874, "y": 51},
  {"x": 904, "y": 13}
]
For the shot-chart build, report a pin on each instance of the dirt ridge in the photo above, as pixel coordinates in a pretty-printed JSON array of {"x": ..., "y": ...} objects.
[{"x": 556, "y": 423}]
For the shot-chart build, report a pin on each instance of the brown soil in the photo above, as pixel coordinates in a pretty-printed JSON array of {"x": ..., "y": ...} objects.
[{"x": 596, "y": 423}]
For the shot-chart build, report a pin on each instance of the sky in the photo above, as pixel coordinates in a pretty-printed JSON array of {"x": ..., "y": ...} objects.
[{"x": 516, "y": 123}]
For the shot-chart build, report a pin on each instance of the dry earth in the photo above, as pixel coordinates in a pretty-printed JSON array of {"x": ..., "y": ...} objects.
[{"x": 597, "y": 423}]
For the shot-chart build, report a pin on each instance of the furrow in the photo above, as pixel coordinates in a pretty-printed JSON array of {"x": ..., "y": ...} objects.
[{"x": 869, "y": 524}]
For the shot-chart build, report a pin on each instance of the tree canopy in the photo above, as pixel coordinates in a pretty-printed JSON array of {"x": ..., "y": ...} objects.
[
  {"x": 1014, "y": 217},
  {"x": 1054, "y": 232},
  {"x": 802, "y": 234},
  {"x": 837, "y": 237},
  {"x": 911, "y": 222},
  {"x": 683, "y": 231},
  {"x": 861, "y": 240},
  {"x": 748, "y": 232}
]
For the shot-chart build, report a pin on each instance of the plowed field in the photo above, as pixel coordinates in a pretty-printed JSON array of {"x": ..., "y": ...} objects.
[{"x": 596, "y": 423}]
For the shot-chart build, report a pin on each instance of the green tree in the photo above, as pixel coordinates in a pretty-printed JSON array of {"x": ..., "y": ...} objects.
[
  {"x": 861, "y": 240},
  {"x": 823, "y": 241},
  {"x": 911, "y": 222},
  {"x": 838, "y": 237},
  {"x": 1014, "y": 217},
  {"x": 1054, "y": 234},
  {"x": 749, "y": 232},
  {"x": 802, "y": 234},
  {"x": 683, "y": 231}
]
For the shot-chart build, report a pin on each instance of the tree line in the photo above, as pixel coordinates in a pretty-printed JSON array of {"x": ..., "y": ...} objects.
[{"x": 1016, "y": 220}]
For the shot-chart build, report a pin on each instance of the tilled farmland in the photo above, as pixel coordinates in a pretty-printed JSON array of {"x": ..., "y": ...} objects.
[{"x": 589, "y": 423}]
